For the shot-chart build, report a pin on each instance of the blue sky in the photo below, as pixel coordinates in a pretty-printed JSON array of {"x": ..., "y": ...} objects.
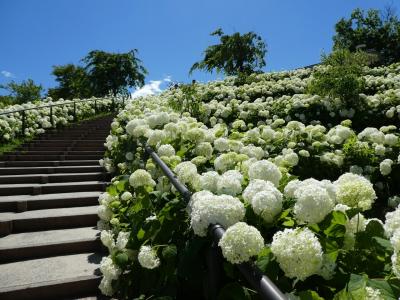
[{"x": 170, "y": 35}]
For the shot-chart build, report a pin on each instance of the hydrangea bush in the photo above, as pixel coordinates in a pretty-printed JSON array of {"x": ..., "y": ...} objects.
[
  {"x": 37, "y": 119},
  {"x": 306, "y": 187}
]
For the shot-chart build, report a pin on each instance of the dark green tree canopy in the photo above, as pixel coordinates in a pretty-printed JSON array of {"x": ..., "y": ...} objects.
[
  {"x": 235, "y": 54},
  {"x": 114, "y": 72},
  {"x": 26, "y": 91},
  {"x": 372, "y": 31},
  {"x": 73, "y": 82},
  {"x": 342, "y": 76}
]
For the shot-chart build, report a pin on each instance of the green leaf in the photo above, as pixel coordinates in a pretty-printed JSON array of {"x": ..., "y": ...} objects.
[
  {"x": 140, "y": 234},
  {"x": 169, "y": 252},
  {"x": 122, "y": 259},
  {"x": 309, "y": 295},
  {"x": 356, "y": 286},
  {"x": 233, "y": 291}
]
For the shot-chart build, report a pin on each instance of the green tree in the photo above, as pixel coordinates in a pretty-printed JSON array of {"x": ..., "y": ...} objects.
[
  {"x": 73, "y": 82},
  {"x": 26, "y": 91},
  {"x": 5, "y": 101},
  {"x": 371, "y": 31},
  {"x": 341, "y": 76},
  {"x": 235, "y": 54},
  {"x": 113, "y": 73}
]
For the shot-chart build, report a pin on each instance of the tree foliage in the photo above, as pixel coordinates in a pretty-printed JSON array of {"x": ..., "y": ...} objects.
[
  {"x": 235, "y": 54},
  {"x": 372, "y": 31},
  {"x": 73, "y": 82},
  {"x": 113, "y": 72},
  {"x": 341, "y": 77},
  {"x": 26, "y": 91}
]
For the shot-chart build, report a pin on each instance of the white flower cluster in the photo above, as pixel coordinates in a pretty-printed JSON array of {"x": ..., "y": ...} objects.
[
  {"x": 110, "y": 272},
  {"x": 240, "y": 242},
  {"x": 298, "y": 252},
  {"x": 186, "y": 172},
  {"x": 208, "y": 208},
  {"x": 141, "y": 178},
  {"x": 314, "y": 199},
  {"x": 354, "y": 191},
  {"x": 265, "y": 170},
  {"x": 147, "y": 257},
  {"x": 265, "y": 199}
]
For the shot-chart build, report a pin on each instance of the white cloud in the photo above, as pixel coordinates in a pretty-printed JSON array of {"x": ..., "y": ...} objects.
[
  {"x": 7, "y": 74},
  {"x": 152, "y": 88}
]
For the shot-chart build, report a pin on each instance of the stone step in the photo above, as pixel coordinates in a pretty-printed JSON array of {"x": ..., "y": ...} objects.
[
  {"x": 48, "y": 219},
  {"x": 29, "y": 245},
  {"x": 51, "y": 178},
  {"x": 58, "y": 277},
  {"x": 21, "y": 203},
  {"x": 49, "y": 170},
  {"x": 50, "y": 153},
  {"x": 66, "y": 141},
  {"x": 46, "y": 163},
  {"x": 40, "y": 157},
  {"x": 63, "y": 148},
  {"x": 51, "y": 188}
]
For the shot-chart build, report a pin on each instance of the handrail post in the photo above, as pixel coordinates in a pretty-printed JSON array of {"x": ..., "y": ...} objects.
[
  {"x": 23, "y": 125},
  {"x": 51, "y": 116},
  {"x": 74, "y": 111},
  {"x": 95, "y": 106},
  {"x": 214, "y": 266}
]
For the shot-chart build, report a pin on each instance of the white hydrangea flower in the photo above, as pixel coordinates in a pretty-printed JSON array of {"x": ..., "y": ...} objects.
[
  {"x": 230, "y": 183},
  {"x": 313, "y": 204},
  {"x": 304, "y": 153},
  {"x": 141, "y": 178},
  {"x": 104, "y": 213},
  {"x": 166, "y": 150},
  {"x": 204, "y": 149},
  {"x": 209, "y": 181},
  {"x": 225, "y": 161},
  {"x": 106, "y": 287},
  {"x": 122, "y": 240},
  {"x": 147, "y": 257},
  {"x": 341, "y": 207},
  {"x": 391, "y": 139},
  {"x": 265, "y": 170},
  {"x": 221, "y": 144},
  {"x": 298, "y": 252},
  {"x": 186, "y": 172},
  {"x": 386, "y": 167},
  {"x": 253, "y": 151},
  {"x": 126, "y": 196},
  {"x": 240, "y": 242},
  {"x": 354, "y": 191},
  {"x": 291, "y": 187},
  {"x": 211, "y": 209},
  {"x": 156, "y": 137},
  {"x": 392, "y": 222},
  {"x": 107, "y": 239},
  {"x": 109, "y": 269},
  {"x": 267, "y": 203}
]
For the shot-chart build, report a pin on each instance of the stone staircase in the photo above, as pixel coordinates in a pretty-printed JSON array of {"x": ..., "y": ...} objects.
[{"x": 49, "y": 189}]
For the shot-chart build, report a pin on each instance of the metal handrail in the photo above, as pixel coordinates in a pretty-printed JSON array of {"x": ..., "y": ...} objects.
[
  {"x": 261, "y": 283},
  {"x": 23, "y": 111},
  {"x": 50, "y": 105}
]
